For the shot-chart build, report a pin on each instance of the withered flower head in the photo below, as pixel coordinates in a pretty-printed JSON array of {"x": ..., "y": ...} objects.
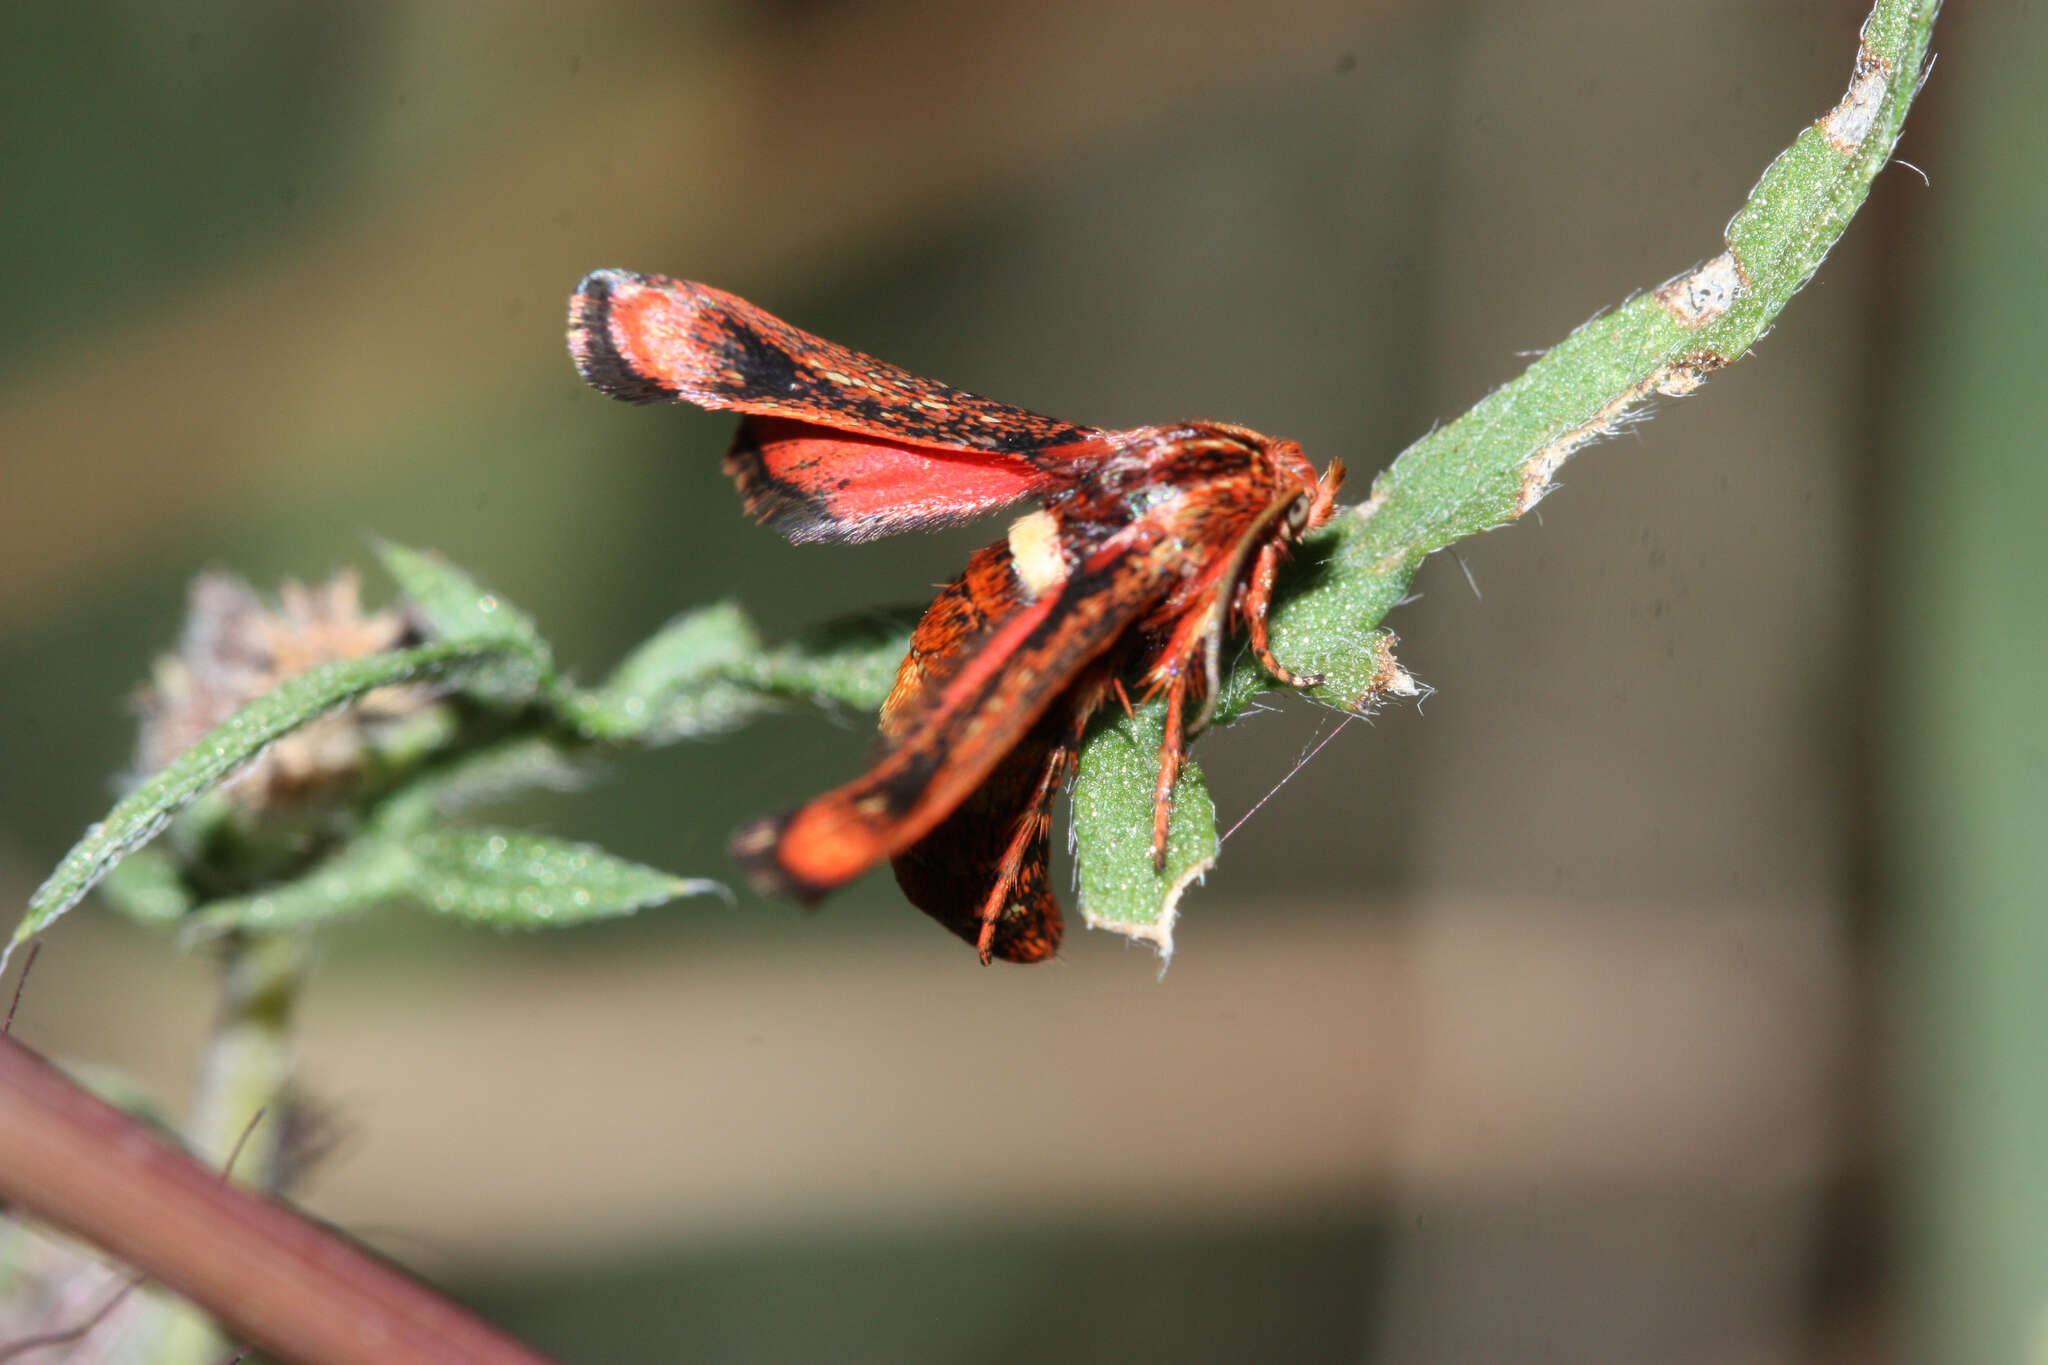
[{"x": 237, "y": 646}]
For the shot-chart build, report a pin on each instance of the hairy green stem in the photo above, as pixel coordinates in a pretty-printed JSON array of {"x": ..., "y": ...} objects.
[
  {"x": 238, "y": 1110},
  {"x": 1493, "y": 464}
]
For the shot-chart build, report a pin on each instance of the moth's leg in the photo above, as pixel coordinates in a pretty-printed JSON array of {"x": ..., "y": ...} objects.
[
  {"x": 1171, "y": 751},
  {"x": 1006, "y": 878},
  {"x": 1031, "y": 829},
  {"x": 1253, "y": 605}
]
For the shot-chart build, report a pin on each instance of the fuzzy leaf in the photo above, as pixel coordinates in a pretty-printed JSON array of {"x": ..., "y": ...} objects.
[
  {"x": 147, "y": 886},
  {"x": 481, "y": 776},
  {"x": 527, "y": 881},
  {"x": 1113, "y": 831},
  {"x": 144, "y": 811},
  {"x": 456, "y": 607},
  {"x": 497, "y": 877},
  {"x": 694, "y": 646},
  {"x": 672, "y": 686},
  {"x": 852, "y": 662},
  {"x": 374, "y": 869}
]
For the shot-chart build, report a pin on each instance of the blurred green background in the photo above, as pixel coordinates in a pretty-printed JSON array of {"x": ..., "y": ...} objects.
[{"x": 1667, "y": 987}]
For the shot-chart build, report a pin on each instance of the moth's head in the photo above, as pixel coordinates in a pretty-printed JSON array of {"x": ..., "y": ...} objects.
[{"x": 1317, "y": 496}]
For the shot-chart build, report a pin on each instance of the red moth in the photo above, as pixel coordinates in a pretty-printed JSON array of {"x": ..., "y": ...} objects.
[{"x": 1147, "y": 546}]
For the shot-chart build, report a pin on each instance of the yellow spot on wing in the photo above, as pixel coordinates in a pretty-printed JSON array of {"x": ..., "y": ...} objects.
[{"x": 1036, "y": 554}]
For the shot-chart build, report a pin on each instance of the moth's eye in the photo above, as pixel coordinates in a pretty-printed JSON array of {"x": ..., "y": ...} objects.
[{"x": 1297, "y": 515}]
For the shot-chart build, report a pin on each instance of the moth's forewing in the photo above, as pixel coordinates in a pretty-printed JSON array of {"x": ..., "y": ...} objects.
[
  {"x": 649, "y": 338},
  {"x": 970, "y": 710}
]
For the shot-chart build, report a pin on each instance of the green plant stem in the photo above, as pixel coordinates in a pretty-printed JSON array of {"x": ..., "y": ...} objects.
[
  {"x": 239, "y": 1105},
  {"x": 238, "y": 1109},
  {"x": 1497, "y": 461}
]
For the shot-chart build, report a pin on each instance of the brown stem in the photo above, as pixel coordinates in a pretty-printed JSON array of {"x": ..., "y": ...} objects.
[{"x": 274, "y": 1278}]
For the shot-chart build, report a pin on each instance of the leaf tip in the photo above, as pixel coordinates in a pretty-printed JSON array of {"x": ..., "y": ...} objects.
[
  {"x": 704, "y": 886},
  {"x": 1388, "y": 679},
  {"x": 1157, "y": 931}
]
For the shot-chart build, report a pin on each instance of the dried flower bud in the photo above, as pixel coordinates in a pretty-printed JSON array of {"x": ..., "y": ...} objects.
[{"x": 237, "y": 646}]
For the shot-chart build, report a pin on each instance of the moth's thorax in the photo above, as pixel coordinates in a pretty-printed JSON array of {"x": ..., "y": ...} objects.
[
  {"x": 1199, "y": 482},
  {"x": 1201, "y": 451}
]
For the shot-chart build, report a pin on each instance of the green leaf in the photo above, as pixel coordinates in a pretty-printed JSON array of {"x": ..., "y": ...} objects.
[
  {"x": 454, "y": 605},
  {"x": 527, "y": 881},
  {"x": 1113, "y": 790},
  {"x": 694, "y": 646},
  {"x": 673, "y": 686},
  {"x": 149, "y": 887},
  {"x": 852, "y": 661},
  {"x": 374, "y": 869},
  {"x": 144, "y": 811},
  {"x": 487, "y": 876},
  {"x": 458, "y": 608},
  {"x": 707, "y": 672},
  {"x": 481, "y": 776}
]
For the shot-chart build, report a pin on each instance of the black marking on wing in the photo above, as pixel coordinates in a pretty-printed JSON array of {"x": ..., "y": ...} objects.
[
  {"x": 596, "y": 352},
  {"x": 764, "y": 367}
]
